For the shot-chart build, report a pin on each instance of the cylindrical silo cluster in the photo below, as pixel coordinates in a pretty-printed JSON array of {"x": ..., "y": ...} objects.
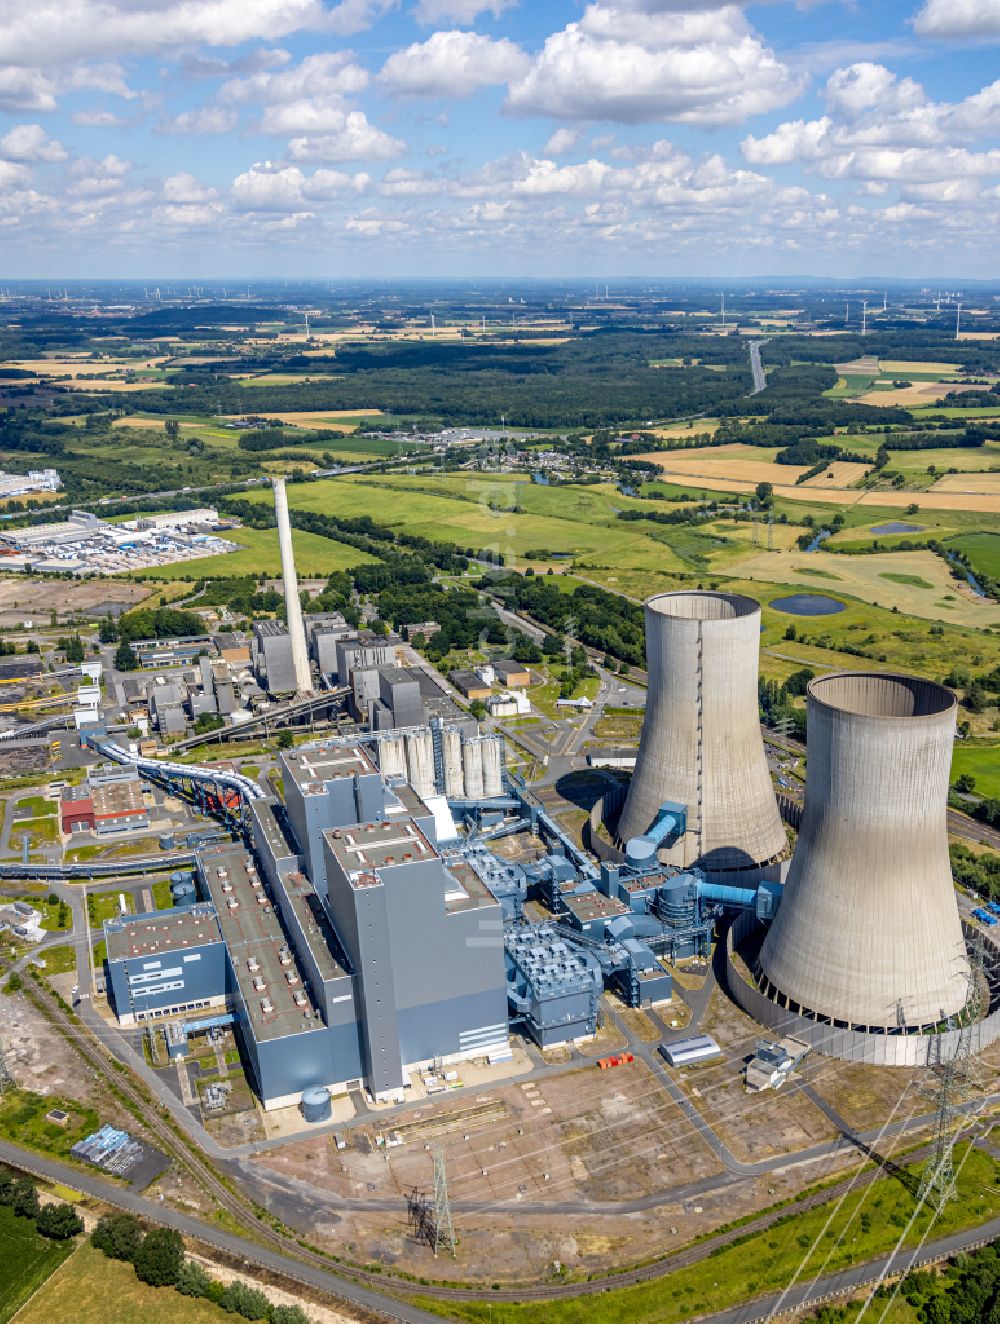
[
  {"x": 492, "y": 766},
  {"x": 392, "y": 756},
  {"x": 472, "y": 766},
  {"x": 420, "y": 762},
  {"x": 868, "y": 930},
  {"x": 701, "y": 743},
  {"x": 451, "y": 761}
]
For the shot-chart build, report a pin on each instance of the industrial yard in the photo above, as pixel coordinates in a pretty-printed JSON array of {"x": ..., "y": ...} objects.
[{"x": 83, "y": 544}]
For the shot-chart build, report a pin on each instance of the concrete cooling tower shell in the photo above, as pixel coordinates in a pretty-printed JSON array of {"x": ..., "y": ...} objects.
[
  {"x": 701, "y": 744},
  {"x": 868, "y": 930}
]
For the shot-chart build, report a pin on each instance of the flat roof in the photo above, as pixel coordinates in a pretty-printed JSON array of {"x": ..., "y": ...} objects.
[
  {"x": 269, "y": 977},
  {"x": 319, "y": 932},
  {"x": 163, "y": 931},
  {"x": 369, "y": 846},
  {"x": 595, "y": 905},
  {"x": 310, "y": 768}
]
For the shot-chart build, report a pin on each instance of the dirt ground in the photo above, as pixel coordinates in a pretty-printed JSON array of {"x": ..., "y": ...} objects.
[
  {"x": 919, "y": 393},
  {"x": 43, "y": 596},
  {"x": 585, "y": 1134}
]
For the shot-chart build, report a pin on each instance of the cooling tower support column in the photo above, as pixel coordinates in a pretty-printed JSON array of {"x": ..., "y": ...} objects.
[
  {"x": 868, "y": 930},
  {"x": 701, "y": 743},
  {"x": 293, "y": 608}
]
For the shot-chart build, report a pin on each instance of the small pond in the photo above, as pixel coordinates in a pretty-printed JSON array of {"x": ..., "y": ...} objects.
[
  {"x": 808, "y": 604},
  {"x": 896, "y": 527}
]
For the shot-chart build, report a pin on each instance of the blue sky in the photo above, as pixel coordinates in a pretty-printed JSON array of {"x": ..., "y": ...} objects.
[{"x": 186, "y": 138}]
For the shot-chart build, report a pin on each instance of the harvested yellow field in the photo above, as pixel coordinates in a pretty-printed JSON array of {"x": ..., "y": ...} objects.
[
  {"x": 877, "y": 579},
  {"x": 867, "y": 365},
  {"x": 112, "y": 384},
  {"x": 900, "y": 367},
  {"x": 969, "y": 482},
  {"x": 317, "y": 417},
  {"x": 919, "y": 393},
  {"x": 985, "y": 502},
  {"x": 83, "y": 367},
  {"x": 979, "y": 335},
  {"x": 709, "y": 463},
  {"x": 708, "y": 426},
  {"x": 842, "y": 473}
]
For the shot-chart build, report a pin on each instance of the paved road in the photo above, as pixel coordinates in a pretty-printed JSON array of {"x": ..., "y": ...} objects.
[{"x": 756, "y": 367}]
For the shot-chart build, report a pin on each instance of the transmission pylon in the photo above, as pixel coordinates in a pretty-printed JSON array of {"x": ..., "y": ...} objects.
[
  {"x": 444, "y": 1233},
  {"x": 956, "y": 1079}
]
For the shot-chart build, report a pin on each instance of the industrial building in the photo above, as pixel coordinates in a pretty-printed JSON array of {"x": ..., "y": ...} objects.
[
  {"x": 701, "y": 745},
  {"x": 109, "y": 802},
  {"x": 273, "y": 664}
]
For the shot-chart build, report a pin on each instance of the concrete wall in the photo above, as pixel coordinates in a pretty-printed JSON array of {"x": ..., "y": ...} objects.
[
  {"x": 868, "y": 929},
  {"x": 701, "y": 743}
]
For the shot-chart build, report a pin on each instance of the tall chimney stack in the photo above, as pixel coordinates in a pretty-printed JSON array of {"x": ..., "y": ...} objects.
[{"x": 293, "y": 608}]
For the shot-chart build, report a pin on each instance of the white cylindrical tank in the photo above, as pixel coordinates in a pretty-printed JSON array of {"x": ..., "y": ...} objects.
[
  {"x": 472, "y": 764},
  {"x": 420, "y": 762},
  {"x": 701, "y": 743},
  {"x": 392, "y": 756},
  {"x": 492, "y": 766},
  {"x": 451, "y": 754},
  {"x": 868, "y": 929}
]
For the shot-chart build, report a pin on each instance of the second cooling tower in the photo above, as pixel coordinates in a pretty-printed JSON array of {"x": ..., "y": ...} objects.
[
  {"x": 701, "y": 744},
  {"x": 868, "y": 931}
]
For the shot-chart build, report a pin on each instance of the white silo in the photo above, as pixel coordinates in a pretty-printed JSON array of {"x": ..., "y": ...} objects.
[
  {"x": 420, "y": 762},
  {"x": 701, "y": 743},
  {"x": 492, "y": 766},
  {"x": 868, "y": 929},
  {"x": 451, "y": 757},
  {"x": 472, "y": 764},
  {"x": 392, "y": 756}
]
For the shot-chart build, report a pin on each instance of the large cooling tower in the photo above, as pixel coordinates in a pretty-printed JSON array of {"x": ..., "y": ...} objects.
[
  {"x": 701, "y": 744},
  {"x": 868, "y": 929}
]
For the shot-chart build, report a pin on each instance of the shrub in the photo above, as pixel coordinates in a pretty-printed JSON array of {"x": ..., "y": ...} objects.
[
  {"x": 239, "y": 1299},
  {"x": 58, "y": 1222},
  {"x": 159, "y": 1258},
  {"x": 118, "y": 1236}
]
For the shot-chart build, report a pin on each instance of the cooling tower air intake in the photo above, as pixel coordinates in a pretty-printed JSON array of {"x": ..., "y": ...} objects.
[
  {"x": 868, "y": 930},
  {"x": 701, "y": 744}
]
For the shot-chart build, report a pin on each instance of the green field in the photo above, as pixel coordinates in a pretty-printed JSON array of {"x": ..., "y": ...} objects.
[
  {"x": 979, "y": 760},
  {"x": 22, "y": 1120},
  {"x": 764, "y": 1262},
  {"x": 983, "y": 551},
  {"x": 27, "y": 1261},
  {"x": 91, "y": 1289},
  {"x": 59, "y": 960},
  {"x": 315, "y": 556}
]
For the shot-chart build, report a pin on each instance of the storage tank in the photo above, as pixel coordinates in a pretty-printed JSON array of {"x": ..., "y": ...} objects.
[
  {"x": 492, "y": 766},
  {"x": 392, "y": 756},
  {"x": 868, "y": 929},
  {"x": 167, "y": 841},
  {"x": 420, "y": 762},
  {"x": 451, "y": 757},
  {"x": 701, "y": 745},
  {"x": 316, "y": 1104},
  {"x": 472, "y": 765}
]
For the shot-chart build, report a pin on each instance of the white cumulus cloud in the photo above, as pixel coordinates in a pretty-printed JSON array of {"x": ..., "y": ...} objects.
[
  {"x": 621, "y": 63},
  {"x": 430, "y": 12},
  {"x": 30, "y": 142},
  {"x": 453, "y": 64},
  {"x": 959, "y": 18},
  {"x": 201, "y": 120}
]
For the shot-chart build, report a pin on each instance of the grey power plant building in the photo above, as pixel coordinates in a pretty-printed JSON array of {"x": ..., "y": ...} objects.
[
  {"x": 868, "y": 932},
  {"x": 701, "y": 750}
]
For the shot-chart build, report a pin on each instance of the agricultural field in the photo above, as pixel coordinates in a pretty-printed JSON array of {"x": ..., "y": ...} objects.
[
  {"x": 983, "y": 550},
  {"x": 315, "y": 557},
  {"x": 746, "y": 464},
  {"x": 28, "y": 1260},
  {"x": 91, "y": 1289}
]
